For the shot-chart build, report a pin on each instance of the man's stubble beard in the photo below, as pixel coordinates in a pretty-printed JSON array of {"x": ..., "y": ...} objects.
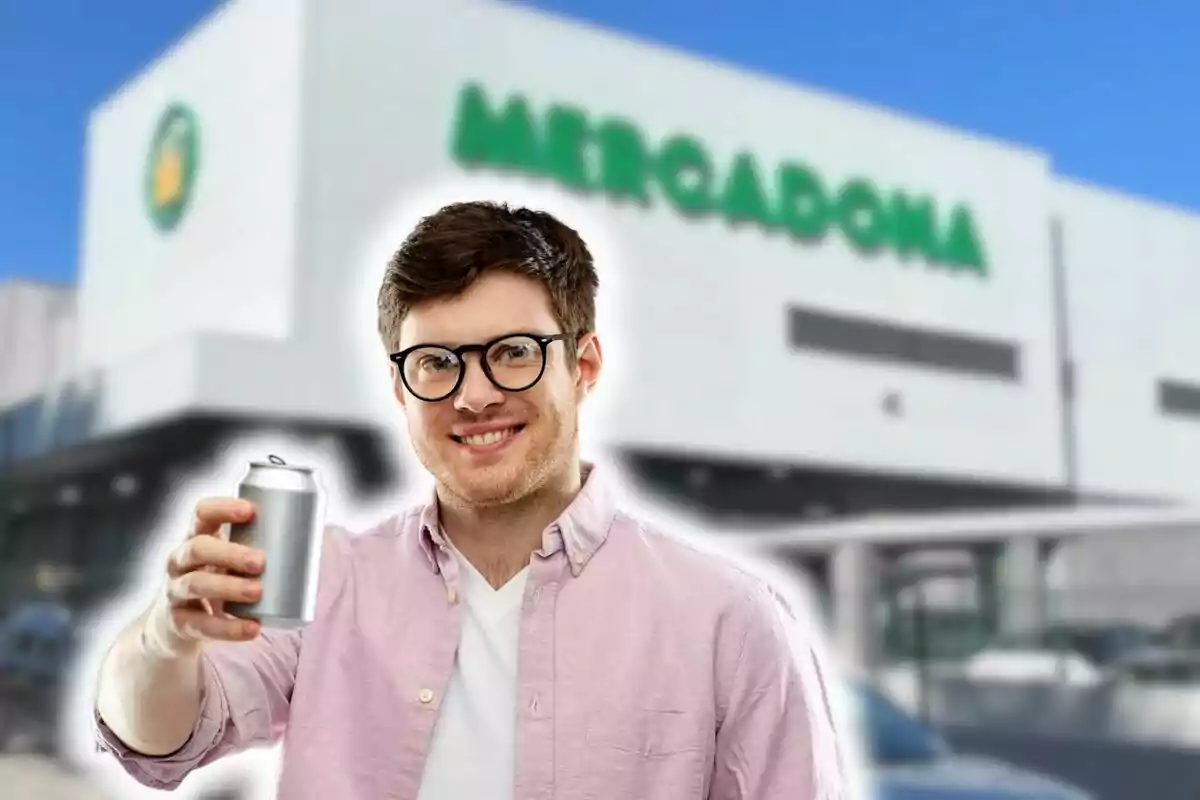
[{"x": 507, "y": 485}]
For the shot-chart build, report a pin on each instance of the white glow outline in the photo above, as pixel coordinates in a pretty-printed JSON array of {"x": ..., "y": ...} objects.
[{"x": 257, "y": 770}]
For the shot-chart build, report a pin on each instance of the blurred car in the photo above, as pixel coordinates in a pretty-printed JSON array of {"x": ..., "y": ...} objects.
[
  {"x": 1156, "y": 696},
  {"x": 36, "y": 639},
  {"x": 1182, "y": 632},
  {"x": 1004, "y": 663},
  {"x": 34, "y": 643},
  {"x": 1103, "y": 644},
  {"x": 909, "y": 761},
  {"x": 1163, "y": 666}
]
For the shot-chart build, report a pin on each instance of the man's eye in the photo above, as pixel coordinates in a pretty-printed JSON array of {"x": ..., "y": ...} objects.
[{"x": 514, "y": 352}]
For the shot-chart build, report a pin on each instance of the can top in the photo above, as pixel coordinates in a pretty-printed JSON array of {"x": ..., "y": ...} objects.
[{"x": 275, "y": 462}]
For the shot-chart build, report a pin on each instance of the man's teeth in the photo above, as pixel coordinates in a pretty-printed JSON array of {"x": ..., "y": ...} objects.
[{"x": 491, "y": 437}]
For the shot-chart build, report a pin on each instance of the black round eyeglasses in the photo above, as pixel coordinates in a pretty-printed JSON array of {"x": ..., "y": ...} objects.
[{"x": 513, "y": 363}]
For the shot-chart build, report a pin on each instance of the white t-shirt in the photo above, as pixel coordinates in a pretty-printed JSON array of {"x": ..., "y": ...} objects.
[{"x": 472, "y": 752}]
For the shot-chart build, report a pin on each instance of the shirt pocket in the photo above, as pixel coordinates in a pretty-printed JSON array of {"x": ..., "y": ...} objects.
[
  {"x": 635, "y": 753},
  {"x": 650, "y": 732}
]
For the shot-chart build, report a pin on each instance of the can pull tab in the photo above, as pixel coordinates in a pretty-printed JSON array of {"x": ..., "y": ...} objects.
[{"x": 277, "y": 461}]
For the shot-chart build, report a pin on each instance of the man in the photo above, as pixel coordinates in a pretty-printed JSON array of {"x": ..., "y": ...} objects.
[{"x": 520, "y": 636}]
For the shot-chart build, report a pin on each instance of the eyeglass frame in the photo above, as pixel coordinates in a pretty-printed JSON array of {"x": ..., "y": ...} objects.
[{"x": 544, "y": 341}]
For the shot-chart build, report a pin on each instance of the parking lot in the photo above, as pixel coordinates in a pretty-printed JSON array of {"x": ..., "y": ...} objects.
[{"x": 25, "y": 776}]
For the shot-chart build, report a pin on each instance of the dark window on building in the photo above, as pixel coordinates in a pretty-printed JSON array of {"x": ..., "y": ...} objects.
[
  {"x": 23, "y": 434},
  {"x": 1179, "y": 398},
  {"x": 809, "y": 329},
  {"x": 71, "y": 414}
]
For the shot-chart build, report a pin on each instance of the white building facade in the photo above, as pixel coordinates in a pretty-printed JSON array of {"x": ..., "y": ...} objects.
[{"x": 823, "y": 306}]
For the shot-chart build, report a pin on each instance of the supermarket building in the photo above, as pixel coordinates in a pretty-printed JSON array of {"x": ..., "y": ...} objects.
[{"x": 826, "y": 308}]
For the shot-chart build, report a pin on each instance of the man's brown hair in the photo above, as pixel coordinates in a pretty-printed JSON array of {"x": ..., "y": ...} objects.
[{"x": 448, "y": 250}]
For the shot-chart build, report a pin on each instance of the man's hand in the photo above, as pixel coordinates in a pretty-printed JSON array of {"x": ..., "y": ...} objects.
[{"x": 203, "y": 574}]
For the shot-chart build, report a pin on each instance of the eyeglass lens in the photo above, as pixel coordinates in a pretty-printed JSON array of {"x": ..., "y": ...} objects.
[{"x": 513, "y": 364}]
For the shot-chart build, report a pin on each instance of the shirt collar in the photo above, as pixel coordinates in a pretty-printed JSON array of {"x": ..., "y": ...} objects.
[{"x": 580, "y": 530}]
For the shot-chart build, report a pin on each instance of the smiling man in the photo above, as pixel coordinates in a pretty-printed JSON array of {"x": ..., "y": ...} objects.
[{"x": 519, "y": 636}]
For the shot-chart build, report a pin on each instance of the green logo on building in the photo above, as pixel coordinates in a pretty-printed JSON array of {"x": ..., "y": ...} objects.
[
  {"x": 171, "y": 167},
  {"x": 614, "y": 157}
]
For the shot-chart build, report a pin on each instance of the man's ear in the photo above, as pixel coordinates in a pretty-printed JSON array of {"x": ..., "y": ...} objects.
[{"x": 588, "y": 363}]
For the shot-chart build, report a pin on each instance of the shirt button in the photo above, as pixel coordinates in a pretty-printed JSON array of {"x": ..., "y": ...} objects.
[
  {"x": 580, "y": 558},
  {"x": 426, "y": 696},
  {"x": 452, "y": 595}
]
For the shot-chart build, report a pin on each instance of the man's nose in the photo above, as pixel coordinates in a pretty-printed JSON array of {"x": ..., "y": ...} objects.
[{"x": 476, "y": 392}]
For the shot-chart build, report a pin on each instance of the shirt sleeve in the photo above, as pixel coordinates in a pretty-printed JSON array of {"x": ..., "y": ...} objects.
[
  {"x": 246, "y": 693},
  {"x": 244, "y": 702},
  {"x": 777, "y": 738}
]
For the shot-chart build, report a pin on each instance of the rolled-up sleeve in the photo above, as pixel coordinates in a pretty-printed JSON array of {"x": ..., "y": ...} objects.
[
  {"x": 246, "y": 694},
  {"x": 777, "y": 738},
  {"x": 244, "y": 702}
]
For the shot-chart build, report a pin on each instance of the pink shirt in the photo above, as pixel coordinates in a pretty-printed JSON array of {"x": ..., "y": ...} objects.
[{"x": 648, "y": 670}]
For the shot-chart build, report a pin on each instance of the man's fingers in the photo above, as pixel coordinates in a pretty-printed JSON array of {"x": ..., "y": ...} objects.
[
  {"x": 200, "y": 552},
  {"x": 213, "y": 586},
  {"x": 198, "y": 584},
  {"x": 195, "y": 624},
  {"x": 213, "y": 512}
]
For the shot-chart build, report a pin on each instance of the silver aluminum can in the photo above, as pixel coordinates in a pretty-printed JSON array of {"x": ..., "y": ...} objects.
[{"x": 288, "y": 528}]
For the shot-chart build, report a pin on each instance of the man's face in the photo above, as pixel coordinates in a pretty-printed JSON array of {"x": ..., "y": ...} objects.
[{"x": 531, "y": 436}]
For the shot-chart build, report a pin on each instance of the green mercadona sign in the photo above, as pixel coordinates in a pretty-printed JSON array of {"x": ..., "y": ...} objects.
[{"x": 615, "y": 157}]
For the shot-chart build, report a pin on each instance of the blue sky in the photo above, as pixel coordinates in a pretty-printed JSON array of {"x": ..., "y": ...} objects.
[{"x": 1105, "y": 86}]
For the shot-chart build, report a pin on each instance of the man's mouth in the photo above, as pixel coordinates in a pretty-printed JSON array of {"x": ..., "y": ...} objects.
[{"x": 491, "y": 437}]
